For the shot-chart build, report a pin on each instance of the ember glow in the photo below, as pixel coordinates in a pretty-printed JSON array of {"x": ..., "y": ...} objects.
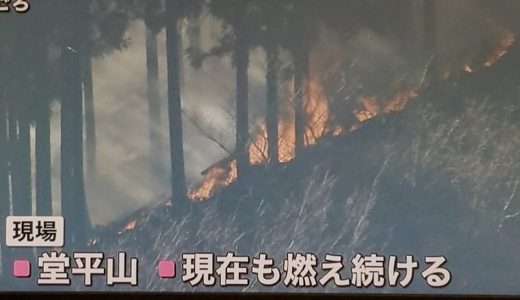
[
  {"x": 504, "y": 43},
  {"x": 129, "y": 226}
]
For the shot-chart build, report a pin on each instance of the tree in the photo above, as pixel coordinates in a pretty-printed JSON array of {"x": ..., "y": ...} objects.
[
  {"x": 42, "y": 114},
  {"x": 272, "y": 99},
  {"x": 300, "y": 48},
  {"x": 152, "y": 18},
  {"x": 271, "y": 25},
  {"x": 239, "y": 17},
  {"x": 242, "y": 87},
  {"x": 20, "y": 94},
  {"x": 92, "y": 28},
  {"x": 4, "y": 153},
  {"x": 17, "y": 102},
  {"x": 74, "y": 207},
  {"x": 178, "y": 180}
]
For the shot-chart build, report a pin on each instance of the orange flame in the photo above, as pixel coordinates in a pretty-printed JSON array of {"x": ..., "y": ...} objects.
[
  {"x": 129, "y": 226},
  {"x": 317, "y": 118},
  {"x": 400, "y": 99},
  {"x": 317, "y": 114},
  {"x": 370, "y": 109},
  {"x": 316, "y": 109},
  {"x": 217, "y": 178},
  {"x": 503, "y": 45}
]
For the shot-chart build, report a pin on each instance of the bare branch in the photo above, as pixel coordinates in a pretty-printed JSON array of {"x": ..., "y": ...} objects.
[{"x": 205, "y": 129}]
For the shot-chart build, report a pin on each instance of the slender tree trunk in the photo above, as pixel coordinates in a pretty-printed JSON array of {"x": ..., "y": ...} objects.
[
  {"x": 242, "y": 86},
  {"x": 85, "y": 67},
  {"x": 14, "y": 168},
  {"x": 5, "y": 190},
  {"x": 4, "y": 186},
  {"x": 154, "y": 105},
  {"x": 301, "y": 76},
  {"x": 43, "y": 161},
  {"x": 68, "y": 199},
  {"x": 43, "y": 136},
  {"x": 178, "y": 180},
  {"x": 74, "y": 206},
  {"x": 272, "y": 102},
  {"x": 20, "y": 166},
  {"x": 21, "y": 169},
  {"x": 22, "y": 203}
]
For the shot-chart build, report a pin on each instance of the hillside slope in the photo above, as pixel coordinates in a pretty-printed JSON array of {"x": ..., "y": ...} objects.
[{"x": 438, "y": 178}]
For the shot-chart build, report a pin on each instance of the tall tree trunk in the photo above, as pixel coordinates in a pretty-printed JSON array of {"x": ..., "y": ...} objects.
[
  {"x": 5, "y": 190},
  {"x": 154, "y": 105},
  {"x": 20, "y": 166},
  {"x": 14, "y": 168},
  {"x": 22, "y": 198},
  {"x": 66, "y": 183},
  {"x": 43, "y": 160},
  {"x": 242, "y": 86},
  {"x": 4, "y": 186},
  {"x": 178, "y": 180},
  {"x": 43, "y": 131},
  {"x": 74, "y": 206},
  {"x": 301, "y": 76},
  {"x": 272, "y": 101},
  {"x": 85, "y": 67},
  {"x": 72, "y": 186}
]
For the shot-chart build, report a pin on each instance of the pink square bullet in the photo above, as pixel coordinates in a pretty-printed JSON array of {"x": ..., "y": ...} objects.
[
  {"x": 22, "y": 268},
  {"x": 167, "y": 269}
]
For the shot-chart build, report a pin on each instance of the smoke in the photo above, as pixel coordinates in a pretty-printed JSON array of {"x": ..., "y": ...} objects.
[{"x": 375, "y": 64}]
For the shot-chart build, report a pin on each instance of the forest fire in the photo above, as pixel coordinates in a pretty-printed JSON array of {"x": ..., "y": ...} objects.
[{"x": 318, "y": 118}]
